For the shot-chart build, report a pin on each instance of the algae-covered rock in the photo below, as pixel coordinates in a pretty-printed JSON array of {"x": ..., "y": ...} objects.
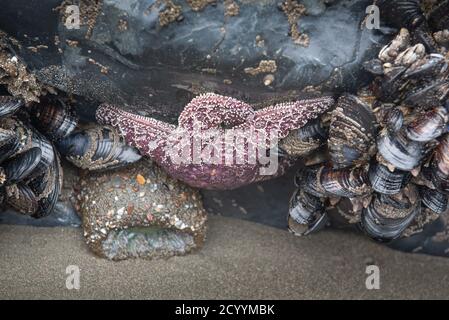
[{"x": 140, "y": 212}]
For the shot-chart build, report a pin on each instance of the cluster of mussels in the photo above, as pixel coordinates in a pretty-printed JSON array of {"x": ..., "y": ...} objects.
[
  {"x": 137, "y": 211},
  {"x": 31, "y": 139},
  {"x": 384, "y": 164}
]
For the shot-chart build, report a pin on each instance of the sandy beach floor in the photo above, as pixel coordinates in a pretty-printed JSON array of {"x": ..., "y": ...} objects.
[{"x": 239, "y": 260}]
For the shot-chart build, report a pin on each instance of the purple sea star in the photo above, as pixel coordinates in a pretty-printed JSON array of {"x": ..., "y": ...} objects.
[{"x": 226, "y": 131}]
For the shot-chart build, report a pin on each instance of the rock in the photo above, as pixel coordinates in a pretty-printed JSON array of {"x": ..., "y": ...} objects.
[
  {"x": 125, "y": 53},
  {"x": 139, "y": 211},
  {"x": 63, "y": 215}
]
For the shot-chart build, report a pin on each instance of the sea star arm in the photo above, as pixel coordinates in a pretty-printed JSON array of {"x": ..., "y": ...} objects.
[
  {"x": 146, "y": 134},
  {"x": 279, "y": 120},
  {"x": 212, "y": 110}
]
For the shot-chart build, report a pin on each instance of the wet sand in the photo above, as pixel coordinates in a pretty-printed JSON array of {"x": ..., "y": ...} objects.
[{"x": 239, "y": 260}]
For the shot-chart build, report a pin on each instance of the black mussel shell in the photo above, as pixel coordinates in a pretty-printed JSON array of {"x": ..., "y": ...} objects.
[
  {"x": 303, "y": 141},
  {"x": 314, "y": 129},
  {"x": 9, "y": 144},
  {"x": 22, "y": 140},
  {"x": 424, "y": 36},
  {"x": 9, "y": 105},
  {"x": 97, "y": 148},
  {"x": 439, "y": 16},
  {"x": 431, "y": 66},
  {"x": 387, "y": 216},
  {"x": 49, "y": 198},
  {"x": 439, "y": 167},
  {"x": 348, "y": 183},
  {"x": 47, "y": 150},
  {"x": 388, "y": 88},
  {"x": 307, "y": 179},
  {"x": 306, "y": 214},
  {"x": 21, "y": 166},
  {"x": 428, "y": 126},
  {"x": 386, "y": 182},
  {"x": 427, "y": 93},
  {"x": 401, "y": 13},
  {"x": 53, "y": 119},
  {"x": 433, "y": 199},
  {"x": 21, "y": 198},
  {"x": 74, "y": 145},
  {"x": 47, "y": 187},
  {"x": 399, "y": 151},
  {"x": 352, "y": 132},
  {"x": 374, "y": 67},
  {"x": 393, "y": 119},
  {"x": 383, "y": 229}
]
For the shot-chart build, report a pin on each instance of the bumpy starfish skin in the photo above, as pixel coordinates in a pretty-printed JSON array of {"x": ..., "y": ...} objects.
[{"x": 212, "y": 112}]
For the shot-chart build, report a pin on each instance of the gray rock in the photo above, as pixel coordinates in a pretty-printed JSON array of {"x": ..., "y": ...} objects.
[
  {"x": 63, "y": 215},
  {"x": 154, "y": 69}
]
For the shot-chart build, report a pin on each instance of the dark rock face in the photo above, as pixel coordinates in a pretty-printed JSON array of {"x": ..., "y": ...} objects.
[
  {"x": 126, "y": 53},
  {"x": 63, "y": 215}
]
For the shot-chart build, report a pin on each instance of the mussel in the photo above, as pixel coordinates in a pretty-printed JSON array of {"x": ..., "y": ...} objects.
[
  {"x": 439, "y": 16},
  {"x": 307, "y": 179},
  {"x": 53, "y": 118},
  {"x": 393, "y": 119},
  {"x": 21, "y": 198},
  {"x": 305, "y": 140},
  {"x": 9, "y": 105},
  {"x": 408, "y": 14},
  {"x": 440, "y": 166},
  {"x": 428, "y": 126},
  {"x": 48, "y": 153},
  {"x": 398, "y": 152},
  {"x": 427, "y": 67},
  {"x": 348, "y": 183},
  {"x": 19, "y": 167},
  {"x": 97, "y": 148},
  {"x": 9, "y": 143},
  {"x": 402, "y": 13},
  {"x": 306, "y": 214},
  {"x": 387, "y": 216},
  {"x": 47, "y": 188},
  {"x": 409, "y": 74},
  {"x": 352, "y": 132},
  {"x": 385, "y": 181},
  {"x": 30, "y": 175},
  {"x": 433, "y": 199},
  {"x": 387, "y": 165}
]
